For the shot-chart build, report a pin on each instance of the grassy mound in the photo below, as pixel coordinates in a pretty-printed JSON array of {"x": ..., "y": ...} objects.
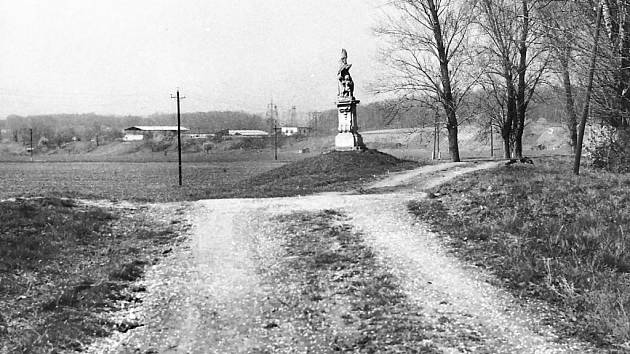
[{"x": 334, "y": 171}]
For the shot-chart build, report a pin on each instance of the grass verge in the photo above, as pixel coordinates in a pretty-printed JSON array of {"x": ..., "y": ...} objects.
[
  {"x": 549, "y": 235},
  {"x": 329, "y": 289},
  {"x": 63, "y": 264}
]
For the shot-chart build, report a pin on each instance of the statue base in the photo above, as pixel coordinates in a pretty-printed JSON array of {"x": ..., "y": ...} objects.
[
  {"x": 348, "y": 138},
  {"x": 349, "y": 141}
]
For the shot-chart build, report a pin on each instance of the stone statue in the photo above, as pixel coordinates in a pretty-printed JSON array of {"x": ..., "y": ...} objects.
[
  {"x": 348, "y": 137},
  {"x": 346, "y": 85}
]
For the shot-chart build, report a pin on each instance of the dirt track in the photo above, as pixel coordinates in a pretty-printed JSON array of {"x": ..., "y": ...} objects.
[{"x": 208, "y": 298}]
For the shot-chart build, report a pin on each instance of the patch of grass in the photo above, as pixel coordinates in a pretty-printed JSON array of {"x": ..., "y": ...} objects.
[
  {"x": 61, "y": 264},
  {"x": 129, "y": 271},
  {"x": 329, "y": 287},
  {"x": 548, "y": 235}
]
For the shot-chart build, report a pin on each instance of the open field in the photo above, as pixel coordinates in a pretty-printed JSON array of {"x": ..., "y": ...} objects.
[
  {"x": 112, "y": 154},
  {"x": 548, "y": 235},
  {"x": 138, "y": 181},
  {"x": 158, "y": 181}
]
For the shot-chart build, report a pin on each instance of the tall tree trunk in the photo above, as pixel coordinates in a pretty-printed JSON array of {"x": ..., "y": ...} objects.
[
  {"x": 589, "y": 89},
  {"x": 619, "y": 118},
  {"x": 495, "y": 31},
  {"x": 508, "y": 125},
  {"x": 624, "y": 67},
  {"x": 453, "y": 148},
  {"x": 520, "y": 95},
  {"x": 569, "y": 102},
  {"x": 447, "y": 93}
]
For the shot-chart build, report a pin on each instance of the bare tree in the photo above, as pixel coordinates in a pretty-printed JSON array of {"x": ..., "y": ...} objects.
[
  {"x": 427, "y": 40},
  {"x": 493, "y": 103},
  {"x": 591, "y": 72},
  {"x": 565, "y": 30},
  {"x": 611, "y": 93},
  {"x": 513, "y": 53}
]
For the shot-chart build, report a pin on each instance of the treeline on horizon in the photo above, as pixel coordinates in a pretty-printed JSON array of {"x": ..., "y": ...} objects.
[
  {"x": 408, "y": 113},
  {"x": 58, "y": 129}
]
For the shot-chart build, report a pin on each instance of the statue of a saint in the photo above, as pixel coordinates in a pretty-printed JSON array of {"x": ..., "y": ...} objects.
[{"x": 346, "y": 85}]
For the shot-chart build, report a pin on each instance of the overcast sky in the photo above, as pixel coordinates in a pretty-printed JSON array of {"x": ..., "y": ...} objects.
[{"x": 127, "y": 57}]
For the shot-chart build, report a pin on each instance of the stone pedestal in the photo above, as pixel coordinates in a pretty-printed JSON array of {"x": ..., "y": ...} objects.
[{"x": 348, "y": 137}]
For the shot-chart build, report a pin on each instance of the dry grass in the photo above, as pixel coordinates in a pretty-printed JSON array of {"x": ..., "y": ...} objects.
[
  {"x": 328, "y": 284},
  {"x": 62, "y": 264},
  {"x": 549, "y": 235}
]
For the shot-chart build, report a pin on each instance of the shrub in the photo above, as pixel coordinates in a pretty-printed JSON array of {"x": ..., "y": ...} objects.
[
  {"x": 609, "y": 149},
  {"x": 159, "y": 145},
  {"x": 249, "y": 144}
]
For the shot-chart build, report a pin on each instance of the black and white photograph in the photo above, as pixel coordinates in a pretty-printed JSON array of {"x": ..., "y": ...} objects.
[{"x": 306, "y": 177}]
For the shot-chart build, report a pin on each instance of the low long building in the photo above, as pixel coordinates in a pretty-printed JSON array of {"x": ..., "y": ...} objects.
[
  {"x": 154, "y": 128},
  {"x": 139, "y": 132}
]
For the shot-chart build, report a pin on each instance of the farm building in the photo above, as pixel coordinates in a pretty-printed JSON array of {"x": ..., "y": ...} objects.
[
  {"x": 289, "y": 131},
  {"x": 140, "y": 132},
  {"x": 242, "y": 133}
]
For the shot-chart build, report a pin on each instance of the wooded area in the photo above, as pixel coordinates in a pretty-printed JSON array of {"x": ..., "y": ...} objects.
[{"x": 513, "y": 53}]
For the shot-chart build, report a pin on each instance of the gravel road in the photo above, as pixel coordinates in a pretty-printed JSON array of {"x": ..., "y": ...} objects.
[{"x": 208, "y": 297}]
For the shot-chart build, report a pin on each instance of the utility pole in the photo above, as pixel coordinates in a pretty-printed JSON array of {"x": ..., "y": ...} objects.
[
  {"x": 491, "y": 139},
  {"x": 31, "y": 144},
  {"x": 433, "y": 150},
  {"x": 275, "y": 141},
  {"x": 293, "y": 117},
  {"x": 179, "y": 137},
  {"x": 314, "y": 120},
  {"x": 272, "y": 113},
  {"x": 436, "y": 137},
  {"x": 437, "y": 133}
]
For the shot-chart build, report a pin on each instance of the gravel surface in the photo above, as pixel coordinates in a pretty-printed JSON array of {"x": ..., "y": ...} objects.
[{"x": 208, "y": 297}]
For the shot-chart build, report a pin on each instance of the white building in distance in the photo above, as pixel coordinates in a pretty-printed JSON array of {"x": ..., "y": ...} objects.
[
  {"x": 139, "y": 132},
  {"x": 289, "y": 131}
]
